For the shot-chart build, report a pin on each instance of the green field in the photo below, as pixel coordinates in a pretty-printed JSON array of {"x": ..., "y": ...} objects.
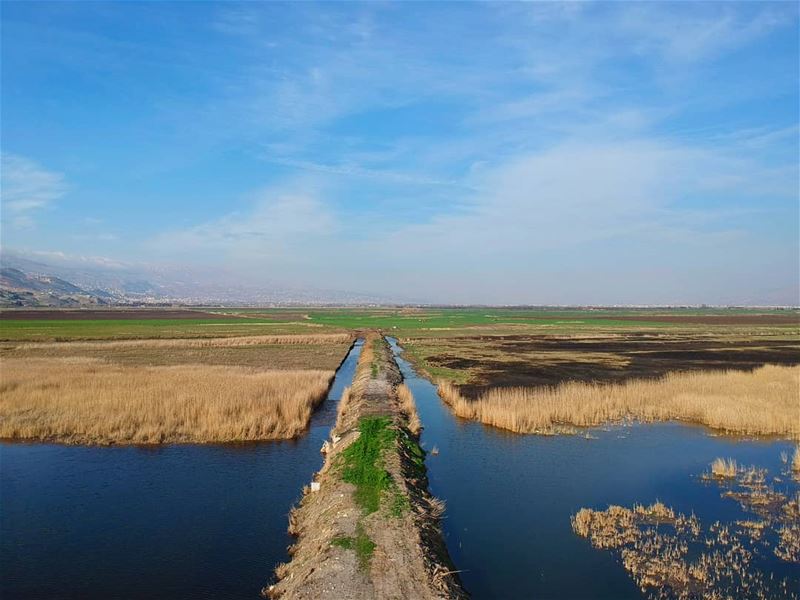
[{"x": 438, "y": 322}]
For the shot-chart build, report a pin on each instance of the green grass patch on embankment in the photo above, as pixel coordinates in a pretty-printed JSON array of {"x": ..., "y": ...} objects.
[
  {"x": 376, "y": 358},
  {"x": 361, "y": 544},
  {"x": 362, "y": 465},
  {"x": 363, "y": 462}
]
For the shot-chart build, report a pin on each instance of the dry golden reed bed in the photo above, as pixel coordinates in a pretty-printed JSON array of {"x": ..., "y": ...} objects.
[
  {"x": 81, "y": 400},
  {"x": 765, "y": 401},
  {"x": 212, "y": 342}
]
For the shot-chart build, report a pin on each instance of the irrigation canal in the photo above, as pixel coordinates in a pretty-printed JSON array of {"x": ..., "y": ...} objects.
[
  {"x": 178, "y": 521},
  {"x": 209, "y": 521},
  {"x": 510, "y": 497}
]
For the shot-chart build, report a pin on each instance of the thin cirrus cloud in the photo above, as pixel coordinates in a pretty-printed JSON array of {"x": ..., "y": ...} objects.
[
  {"x": 280, "y": 225},
  {"x": 27, "y": 188}
]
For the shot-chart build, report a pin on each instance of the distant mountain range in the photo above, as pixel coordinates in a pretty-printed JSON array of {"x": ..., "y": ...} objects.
[
  {"x": 18, "y": 288},
  {"x": 63, "y": 282}
]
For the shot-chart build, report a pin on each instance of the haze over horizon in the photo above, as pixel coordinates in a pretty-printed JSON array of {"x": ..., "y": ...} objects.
[{"x": 495, "y": 153}]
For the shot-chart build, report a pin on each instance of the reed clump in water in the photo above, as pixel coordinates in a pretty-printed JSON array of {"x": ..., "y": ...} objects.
[
  {"x": 671, "y": 555},
  {"x": 761, "y": 402},
  {"x": 88, "y": 401},
  {"x": 724, "y": 469}
]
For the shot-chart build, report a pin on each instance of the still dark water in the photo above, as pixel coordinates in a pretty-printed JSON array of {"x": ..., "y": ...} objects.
[
  {"x": 182, "y": 521},
  {"x": 510, "y": 497}
]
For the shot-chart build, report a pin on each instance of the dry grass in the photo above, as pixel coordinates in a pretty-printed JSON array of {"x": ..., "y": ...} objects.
[
  {"x": 344, "y": 403},
  {"x": 263, "y": 356},
  {"x": 671, "y": 555},
  {"x": 724, "y": 469},
  {"x": 352, "y": 394},
  {"x": 82, "y": 400},
  {"x": 409, "y": 408},
  {"x": 214, "y": 342},
  {"x": 364, "y": 368},
  {"x": 764, "y": 401}
]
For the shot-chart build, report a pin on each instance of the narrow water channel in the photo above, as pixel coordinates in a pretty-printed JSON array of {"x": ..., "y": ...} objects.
[
  {"x": 510, "y": 497},
  {"x": 177, "y": 521}
]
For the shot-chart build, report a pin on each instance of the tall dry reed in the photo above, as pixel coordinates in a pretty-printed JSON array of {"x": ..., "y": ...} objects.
[
  {"x": 364, "y": 367},
  {"x": 83, "y": 400},
  {"x": 409, "y": 408},
  {"x": 724, "y": 468},
  {"x": 765, "y": 401},
  {"x": 344, "y": 404},
  {"x": 352, "y": 395}
]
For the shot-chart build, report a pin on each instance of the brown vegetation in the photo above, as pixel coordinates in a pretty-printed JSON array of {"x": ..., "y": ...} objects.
[
  {"x": 80, "y": 400},
  {"x": 478, "y": 364},
  {"x": 764, "y": 401},
  {"x": 670, "y": 555},
  {"x": 409, "y": 408},
  {"x": 266, "y": 355},
  {"x": 724, "y": 469},
  {"x": 213, "y": 342}
]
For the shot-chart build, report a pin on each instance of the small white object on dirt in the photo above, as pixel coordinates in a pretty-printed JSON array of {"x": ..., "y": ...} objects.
[
  {"x": 326, "y": 447},
  {"x": 315, "y": 486},
  {"x": 336, "y": 439}
]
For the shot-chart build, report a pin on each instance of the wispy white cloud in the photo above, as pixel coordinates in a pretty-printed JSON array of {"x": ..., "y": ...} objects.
[
  {"x": 281, "y": 226},
  {"x": 26, "y": 188},
  {"x": 355, "y": 170},
  {"x": 695, "y": 32},
  {"x": 563, "y": 136}
]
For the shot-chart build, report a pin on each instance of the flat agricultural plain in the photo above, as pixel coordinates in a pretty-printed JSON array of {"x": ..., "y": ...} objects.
[{"x": 490, "y": 360}]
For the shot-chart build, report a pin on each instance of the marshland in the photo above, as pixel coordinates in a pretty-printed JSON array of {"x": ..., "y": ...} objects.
[
  {"x": 103, "y": 423},
  {"x": 418, "y": 300},
  {"x": 166, "y": 471}
]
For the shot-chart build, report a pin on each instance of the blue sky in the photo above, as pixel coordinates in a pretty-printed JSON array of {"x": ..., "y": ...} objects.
[{"x": 445, "y": 152}]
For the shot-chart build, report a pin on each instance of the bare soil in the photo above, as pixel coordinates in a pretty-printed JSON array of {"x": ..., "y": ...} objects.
[
  {"x": 750, "y": 318},
  {"x": 529, "y": 361},
  {"x": 789, "y": 318}
]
